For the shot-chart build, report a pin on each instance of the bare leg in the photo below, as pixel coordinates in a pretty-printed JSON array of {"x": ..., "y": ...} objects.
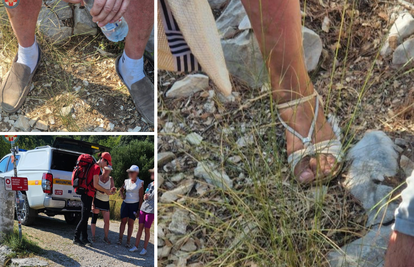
[
  {"x": 122, "y": 228},
  {"x": 277, "y": 26},
  {"x": 140, "y": 18},
  {"x": 106, "y": 223},
  {"x": 23, "y": 20},
  {"x": 400, "y": 250},
  {"x": 139, "y": 234},
  {"x": 130, "y": 229},
  {"x": 147, "y": 237}
]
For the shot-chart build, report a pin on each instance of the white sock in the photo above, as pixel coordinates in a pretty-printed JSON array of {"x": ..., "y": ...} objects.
[
  {"x": 28, "y": 55},
  {"x": 132, "y": 70}
]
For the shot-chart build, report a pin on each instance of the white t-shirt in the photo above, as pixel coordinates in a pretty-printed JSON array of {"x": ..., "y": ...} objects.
[
  {"x": 107, "y": 185},
  {"x": 132, "y": 190}
]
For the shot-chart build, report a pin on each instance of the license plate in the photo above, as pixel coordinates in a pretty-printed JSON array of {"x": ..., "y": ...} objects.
[{"x": 73, "y": 203}]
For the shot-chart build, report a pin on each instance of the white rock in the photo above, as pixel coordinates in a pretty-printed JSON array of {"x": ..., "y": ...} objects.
[
  {"x": 191, "y": 84},
  {"x": 65, "y": 111},
  {"x": 164, "y": 252},
  {"x": 99, "y": 129},
  {"x": 208, "y": 172},
  {"x": 52, "y": 27},
  {"x": 407, "y": 165},
  {"x": 28, "y": 262},
  {"x": 22, "y": 123},
  {"x": 245, "y": 24},
  {"x": 373, "y": 158},
  {"x": 231, "y": 18},
  {"x": 245, "y": 141},
  {"x": 177, "y": 178},
  {"x": 41, "y": 125},
  {"x": 83, "y": 24},
  {"x": 194, "y": 139},
  {"x": 77, "y": 88},
  {"x": 136, "y": 129},
  {"x": 85, "y": 83},
  {"x": 189, "y": 246},
  {"x": 164, "y": 157},
  {"x": 404, "y": 53},
  {"x": 5, "y": 251},
  {"x": 401, "y": 29},
  {"x": 179, "y": 223},
  {"x": 173, "y": 195},
  {"x": 312, "y": 44},
  {"x": 110, "y": 126},
  {"x": 368, "y": 251}
]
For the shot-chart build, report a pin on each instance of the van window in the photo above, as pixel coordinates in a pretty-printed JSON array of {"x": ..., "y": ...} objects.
[
  {"x": 10, "y": 166},
  {"x": 63, "y": 161},
  {"x": 3, "y": 164}
]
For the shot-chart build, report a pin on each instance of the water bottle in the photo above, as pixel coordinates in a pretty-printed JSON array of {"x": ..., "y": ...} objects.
[{"x": 115, "y": 32}]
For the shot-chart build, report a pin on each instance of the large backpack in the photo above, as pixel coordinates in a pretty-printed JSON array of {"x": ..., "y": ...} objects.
[{"x": 80, "y": 174}]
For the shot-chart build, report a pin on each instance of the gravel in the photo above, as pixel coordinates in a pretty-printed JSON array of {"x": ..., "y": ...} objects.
[{"x": 54, "y": 236}]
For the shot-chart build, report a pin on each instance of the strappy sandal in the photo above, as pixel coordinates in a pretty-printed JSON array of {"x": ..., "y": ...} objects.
[
  {"x": 106, "y": 240},
  {"x": 128, "y": 245},
  {"x": 332, "y": 147},
  {"x": 119, "y": 242}
]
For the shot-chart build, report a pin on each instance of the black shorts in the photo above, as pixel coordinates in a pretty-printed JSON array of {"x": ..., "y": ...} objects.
[{"x": 101, "y": 205}]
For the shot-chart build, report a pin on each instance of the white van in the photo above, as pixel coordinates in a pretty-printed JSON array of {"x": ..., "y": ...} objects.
[{"x": 49, "y": 173}]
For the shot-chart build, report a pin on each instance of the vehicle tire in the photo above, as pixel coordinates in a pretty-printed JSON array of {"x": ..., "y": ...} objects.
[
  {"x": 72, "y": 218},
  {"x": 28, "y": 214}
]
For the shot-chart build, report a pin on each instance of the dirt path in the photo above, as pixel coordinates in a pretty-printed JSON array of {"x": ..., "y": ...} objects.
[{"x": 54, "y": 236}]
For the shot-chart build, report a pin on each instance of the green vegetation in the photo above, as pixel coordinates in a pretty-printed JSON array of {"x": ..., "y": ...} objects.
[
  {"x": 21, "y": 247},
  {"x": 125, "y": 151}
]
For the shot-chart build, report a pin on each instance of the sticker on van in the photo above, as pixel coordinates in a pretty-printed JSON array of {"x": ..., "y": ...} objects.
[{"x": 58, "y": 192}]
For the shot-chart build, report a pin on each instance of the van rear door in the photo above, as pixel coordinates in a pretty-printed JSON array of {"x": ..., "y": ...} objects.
[{"x": 61, "y": 168}]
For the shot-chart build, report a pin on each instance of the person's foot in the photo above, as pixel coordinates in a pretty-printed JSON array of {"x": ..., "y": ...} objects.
[
  {"x": 142, "y": 93},
  {"x": 87, "y": 242},
  {"x": 128, "y": 244},
  {"x": 77, "y": 241},
  {"x": 133, "y": 249},
  {"x": 143, "y": 252},
  {"x": 300, "y": 118},
  {"x": 17, "y": 83},
  {"x": 106, "y": 240}
]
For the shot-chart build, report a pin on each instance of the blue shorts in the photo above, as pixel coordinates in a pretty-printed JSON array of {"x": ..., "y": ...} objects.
[
  {"x": 404, "y": 215},
  {"x": 128, "y": 209}
]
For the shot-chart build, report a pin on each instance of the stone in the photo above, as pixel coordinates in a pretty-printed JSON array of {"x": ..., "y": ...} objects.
[
  {"x": 245, "y": 141},
  {"x": 22, "y": 123},
  {"x": 245, "y": 24},
  {"x": 164, "y": 158},
  {"x": 189, "y": 246},
  {"x": 83, "y": 24},
  {"x": 41, "y": 125},
  {"x": 177, "y": 178},
  {"x": 172, "y": 195},
  {"x": 164, "y": 252},
  {"x": 99, "y": 129},
  {"x": 231, "y": 18},
  {"x": 368, "y": 251},
  {"x": 191, "y": 84},
  {"x": 65, "y": 111},
  {"x": 401, "y": 142},
  {"x": 179, "y": 223},
  {"x": 194, "y": 139},
  {"x": 401, "y": 29},
  {"x": 312, "y": 45},
  {"x": 52, "y": 27},
  {"x": 372, "y": 159},
  {"x": 207, "y": 171},
  {"x": 110, "y": 126},
  {"x": 404, "y": 53},
  {"x": 136, "y": 129},
  {"x": 4, "y": 252},
  {"x": 217, "y": 4},
  {"x": 61, "y": 9},
  {"x": 28, "y": 262},
  {"x": 407, "y": 165}
]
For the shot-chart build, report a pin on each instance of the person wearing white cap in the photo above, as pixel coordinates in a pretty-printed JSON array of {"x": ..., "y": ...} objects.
[{"x": 132, "y": 192}]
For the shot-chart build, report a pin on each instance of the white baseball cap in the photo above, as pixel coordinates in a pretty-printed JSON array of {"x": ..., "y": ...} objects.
[{"x": 133, "y": 168}]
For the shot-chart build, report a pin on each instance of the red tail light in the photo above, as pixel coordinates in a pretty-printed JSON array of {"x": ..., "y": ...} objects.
[{"x": 47, "y": 183}]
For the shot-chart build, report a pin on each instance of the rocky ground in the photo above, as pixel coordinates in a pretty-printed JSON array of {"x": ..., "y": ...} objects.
[
  {"x": 54, "y": 236},
  {"x": 225, "y": 191},
  {"x": 76, "y": 87}
]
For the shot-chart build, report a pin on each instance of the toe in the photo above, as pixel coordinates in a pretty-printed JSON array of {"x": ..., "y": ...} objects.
[{"x": 303, "y": 172}]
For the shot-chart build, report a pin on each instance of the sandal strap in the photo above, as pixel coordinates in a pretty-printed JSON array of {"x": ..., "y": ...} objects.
[
  {"x": 307, "y": 141},
  {"x": 332, "y": 147}
]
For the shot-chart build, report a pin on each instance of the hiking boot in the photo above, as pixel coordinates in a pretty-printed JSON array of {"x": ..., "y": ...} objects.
[
  {"x": 16, "y": 85},
  {"x": 142, "y": 93},
  {"x": 77, "y": 241},
  {"x": 86, "y": 242}
]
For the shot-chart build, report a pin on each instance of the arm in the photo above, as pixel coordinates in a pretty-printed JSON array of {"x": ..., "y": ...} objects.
[
  {"x": 98, "y": 187},
  {"x": 141, "y": 196}
]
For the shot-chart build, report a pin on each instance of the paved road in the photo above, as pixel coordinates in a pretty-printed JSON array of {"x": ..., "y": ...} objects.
[{"x": 54, "y": 235}]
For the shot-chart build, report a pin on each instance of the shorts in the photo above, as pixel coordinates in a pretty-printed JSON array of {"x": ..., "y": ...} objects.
[
  {"x": 128, "y": 209},
  {"x": 404, "y": 215},
  {"x": 101, "y": 205},
  {"x": 146, "y": 219}
]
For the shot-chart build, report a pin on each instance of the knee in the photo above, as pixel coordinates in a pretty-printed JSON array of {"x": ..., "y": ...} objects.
[{"x": 94, "y": 218}]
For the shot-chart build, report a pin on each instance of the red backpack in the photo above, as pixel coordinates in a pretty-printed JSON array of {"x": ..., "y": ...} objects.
[{"x": 80, "y": 180}]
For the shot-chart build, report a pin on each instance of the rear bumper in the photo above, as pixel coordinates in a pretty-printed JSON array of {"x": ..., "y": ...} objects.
[{"x": 49, "y": 202}]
